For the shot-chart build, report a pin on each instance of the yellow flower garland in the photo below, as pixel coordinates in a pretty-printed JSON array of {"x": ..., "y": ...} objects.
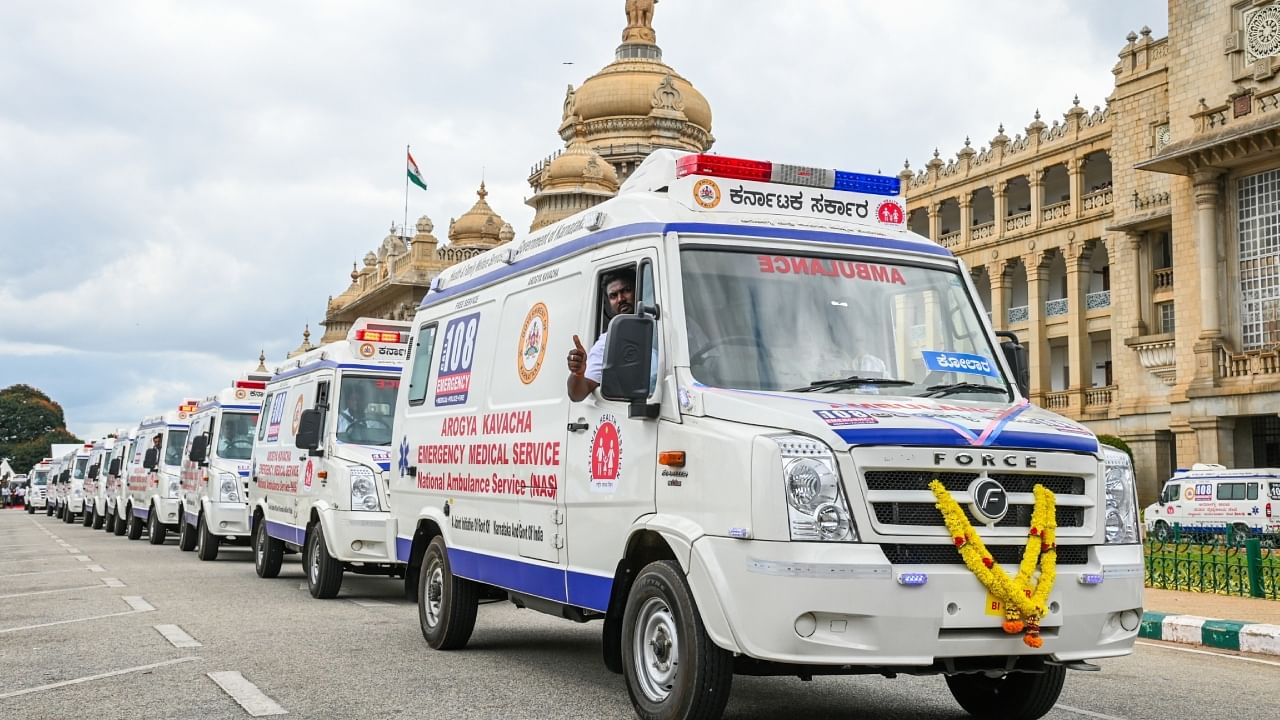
[{"x": 1024, "y": 603}]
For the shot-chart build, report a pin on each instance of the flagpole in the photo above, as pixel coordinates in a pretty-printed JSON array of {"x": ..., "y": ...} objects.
[{"x": 406, "y": 193}]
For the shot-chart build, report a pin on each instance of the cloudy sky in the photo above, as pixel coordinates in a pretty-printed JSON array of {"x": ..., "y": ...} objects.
[{"x": 183, "y": 183}]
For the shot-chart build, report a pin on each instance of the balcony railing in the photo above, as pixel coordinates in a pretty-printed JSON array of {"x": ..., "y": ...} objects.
[
  {"x": 983, "y": 231},
  {"x": 1057, "y": 211},
  {"x": 1098, "y": 396},
  {"x": 949, "y": 240},
  {"x": 1017, "y": 222},
  {"x": 1057, "y": 400},
  {"x": 1019, "y": 314},
  {"x": 1162, "y": 279},
  {"x": 1054, "y": 308},
  {"x": 1255, "y": 362},
  {"x": 1097, "y": 300},
  {"x": 1097, "y": 199}
]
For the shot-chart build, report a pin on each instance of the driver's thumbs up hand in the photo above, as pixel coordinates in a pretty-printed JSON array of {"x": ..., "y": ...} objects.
[{"x": 577, "y": 358}]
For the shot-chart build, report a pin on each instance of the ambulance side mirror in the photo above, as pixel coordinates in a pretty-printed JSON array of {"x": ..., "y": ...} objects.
[
  {"x": 151, "y": 459},
  {"x": 199, "y": 449},
  {"x": 1015, "y": 353},
  {"x": 628, "y": 359},
  {"x": 308, "y": 437},
  {"x": 114, "y": 468},
  {"x": 93, "y": 472}
]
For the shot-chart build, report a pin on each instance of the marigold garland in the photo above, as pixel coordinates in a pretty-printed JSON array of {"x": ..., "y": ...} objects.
[{"x": 1024, "y": 602}]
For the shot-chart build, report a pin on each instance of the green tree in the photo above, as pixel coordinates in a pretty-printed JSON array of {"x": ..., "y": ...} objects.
[{"x": 30, "y": 421}]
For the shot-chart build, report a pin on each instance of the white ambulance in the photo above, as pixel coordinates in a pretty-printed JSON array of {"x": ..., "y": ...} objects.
[
  {"x": 95, "y": 482},
  {"x": 745, "y": 486},
  {"x": 1208, "y": 499},
  {"x": 155, "y": 494},
  {"x": 37, "y": 490},
  {"x": 216, "y": 466},
  {"x": 63, "y": 458},
  {"x": 36, "y": 493},
  {"x": 73, "y": 501},
  {"x": 322, "y": 455},
  {"x": 113, "y": 485}
]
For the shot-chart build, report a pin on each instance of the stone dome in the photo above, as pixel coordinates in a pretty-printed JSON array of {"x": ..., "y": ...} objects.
[
  {"x": 581, "y": 168},
  {"x": 631, "y": 87},
  {"x": 478, "y": 226}
]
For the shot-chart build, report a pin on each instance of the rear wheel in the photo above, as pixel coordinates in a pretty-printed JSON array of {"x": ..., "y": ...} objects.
[
  {"x": 134, "y": 527},
  {"x": 156, "y": 531},
  {"x": 324, "y": 573},
  {"x": 672, "y": 669},
  {"x": 206, "y": 542},
  {"x": 446, "y": 604},
  {"x": 1161, "y": 531},
  {"x": 186, "y": 535},
  {"x": 268, "y": 552},
  {"x": 1016, "y": 696}
]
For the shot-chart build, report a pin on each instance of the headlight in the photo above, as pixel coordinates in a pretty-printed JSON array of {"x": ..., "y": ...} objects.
[
  {"x": 174, "y": 488},
  {"x": 364, "y": 490},
  {"x": 1121, "y": 524},
  {"x": 79, "y": 492},
  {"x": 228, "y": 487},
  {"x": 816, "y": 505}
]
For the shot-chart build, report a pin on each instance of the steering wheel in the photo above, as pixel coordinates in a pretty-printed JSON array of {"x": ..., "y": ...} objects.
[{"x": 738, "y": 340}]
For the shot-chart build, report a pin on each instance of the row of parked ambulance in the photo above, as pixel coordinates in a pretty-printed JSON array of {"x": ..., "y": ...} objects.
[{"x": 708, "y": 412}]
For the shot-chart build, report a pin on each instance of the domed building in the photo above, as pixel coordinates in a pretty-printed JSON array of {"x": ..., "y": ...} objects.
[{"x": 609, "y": 124}]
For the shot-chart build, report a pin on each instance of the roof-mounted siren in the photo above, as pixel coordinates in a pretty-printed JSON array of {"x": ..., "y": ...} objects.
[
  {"x": 252, "y": 382},
  {"x": 771, "y": 172},
  {"x": 374, "y": 330},
  {"x": 437, "y": 284}
]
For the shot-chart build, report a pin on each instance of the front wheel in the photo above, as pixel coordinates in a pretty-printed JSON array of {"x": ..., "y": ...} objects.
[
  {"x": 87, "y": 521},
  {"x": 268, "y": 552},
  {"x": 447, "y": 605},
  {"x": 324, "y": 573},
  {"x": 186, "y": 535},
  {"x": 672, "y": 669},
  {"x": 1015, "y": 696},
  {"x": 206, "y": 542},
  {"x": 156, "y": 531},
  {"x": 1161, "y": 532},
  {"x": 135, "y": 525},
  {"x": 99, "y": 519}
]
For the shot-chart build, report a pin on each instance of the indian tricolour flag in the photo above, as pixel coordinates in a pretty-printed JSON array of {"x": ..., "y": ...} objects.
[{"x": 415, "y": 175}]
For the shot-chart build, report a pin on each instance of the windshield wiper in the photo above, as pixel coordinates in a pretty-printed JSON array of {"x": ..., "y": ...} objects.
[
  {"x": 962, "y": 387},
  {"x": 851, "y": 380}
]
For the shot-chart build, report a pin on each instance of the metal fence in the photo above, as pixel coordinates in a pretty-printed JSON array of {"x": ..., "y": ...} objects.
[{"x": 1227, "y": 564}]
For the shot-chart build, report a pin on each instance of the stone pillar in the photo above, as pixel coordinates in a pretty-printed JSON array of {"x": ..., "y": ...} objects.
[
  {"x": 999, "y": 295},
  {"x": 1206, "y": 194},
  {"x": 1001, "y": 201},
  {"x": 1036, "y": 182},
  {"x": 935, "y": 221},
  {"x": 966, "y": 219},
  {"x": 1139, "y": 274},
  {"x": 1079, "y": 348},
  {"x": 1037, "y": 344},
  {"x": 1216, "y": 438},
  {"x": 1075, "y": 183}
]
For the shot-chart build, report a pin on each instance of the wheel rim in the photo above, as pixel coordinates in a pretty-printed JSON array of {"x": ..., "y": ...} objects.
[
  {"x": 435, "y": 593},
  {"x": 259, "y": 546},
  {"x": 200, "y": 534},
  {"x": 315, "y": 561},
  {"x": 656, "y": 650}
]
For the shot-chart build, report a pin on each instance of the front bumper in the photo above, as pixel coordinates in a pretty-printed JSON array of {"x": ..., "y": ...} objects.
[
  {"x": 226, "y": 519},
  {"x": 168, "y": 510},
  {"x": 842, "y": 604},
  {"x": 75, "y": 505},
  {"x": 37, "y": 502},
  {"x": 358, "y": 536}
]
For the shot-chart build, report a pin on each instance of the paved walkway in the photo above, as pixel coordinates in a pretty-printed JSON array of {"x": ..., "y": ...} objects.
[{"x": 1209, "y": 605}]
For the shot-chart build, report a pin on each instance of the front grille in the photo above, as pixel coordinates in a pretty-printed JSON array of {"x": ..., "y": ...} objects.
[
  {"x": 1057, "y": 484},
  {"x": 960, "y": 481},
  {"x": 927, "y": 514},
  {"x": 901, "y": 554}
]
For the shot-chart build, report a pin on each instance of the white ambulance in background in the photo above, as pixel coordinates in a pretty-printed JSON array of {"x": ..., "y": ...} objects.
[
  {"x": 216, "y": 468},
  {"x": 95, "y": 482},
  {"x": 113, "y": 484},
  {"x": 63, "y": 459},
  {"x": 1208, "y": 499},
  {"x": 38, "y": 488},
  {"x": 322, "y": 455},
  {"x": 155, "y": 493},
  {"x": 748, "y": 489}
]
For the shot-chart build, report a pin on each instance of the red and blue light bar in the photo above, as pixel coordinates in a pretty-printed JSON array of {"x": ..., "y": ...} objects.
[{"x": 770, "y": 172}]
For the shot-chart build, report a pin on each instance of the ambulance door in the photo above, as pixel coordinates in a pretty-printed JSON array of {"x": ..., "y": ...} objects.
[
  {"x": 303, "y": 483},
  {"x": 611, "y": 458},
  {"x": 528, "y": 408}
]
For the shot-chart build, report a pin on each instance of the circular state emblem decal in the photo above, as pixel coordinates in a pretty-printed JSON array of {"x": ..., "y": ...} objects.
[
  {"x": 534, "y": 339},
  {"x": 891, "y": 213},
  {"x": 240, "y": 394},
  {"x": 706, "y": 193},
  {"x": 297, "y": 415},
  {"x": 366, "y": 350}
]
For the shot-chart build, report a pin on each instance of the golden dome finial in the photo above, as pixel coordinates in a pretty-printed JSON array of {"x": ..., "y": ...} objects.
[
  {"x": 640, "y": 22},
  {"x": 482, "y": 192},
  {"x": 262, "y": 361}
]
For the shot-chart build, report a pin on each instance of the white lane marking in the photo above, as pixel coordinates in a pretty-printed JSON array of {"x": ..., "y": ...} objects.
[
  {"x": 77, "y": 620},
  {"x": 15, "y": 547},
  {"x": 41, "y": 572},
  {"x": 1087, "y": 713},
  {"x": 44, "y": 558},
  {"x": 137, "y": 603},
  {"x": 83, "y": 558},
  {"x": 73, "y": 551},
  {"x": 99, "y": 676},
  {"x": 254, "y": 701},
  {"x": 303, "y": 586},
  {"x": 368, "y": 603},
  {"x": 112, "y": 582},
  {"x": 96, "y": 568},
  {"x": 1207, "y": 652},
  {"x": 51, "y": 592},
  {"x": 177, "y": 636}
]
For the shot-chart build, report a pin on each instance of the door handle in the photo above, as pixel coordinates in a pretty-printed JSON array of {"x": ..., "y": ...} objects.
[{"x": 579, "y": 426}]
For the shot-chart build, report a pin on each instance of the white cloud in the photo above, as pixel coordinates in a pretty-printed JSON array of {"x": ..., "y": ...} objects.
[{"x": 182, "y": 184}]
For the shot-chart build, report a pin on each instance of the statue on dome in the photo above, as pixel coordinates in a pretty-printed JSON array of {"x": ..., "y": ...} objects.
[{"x": 639, "y": 21}]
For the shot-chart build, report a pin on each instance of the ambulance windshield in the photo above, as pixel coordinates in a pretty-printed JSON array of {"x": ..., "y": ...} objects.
[
  {"x": 173, "y": 448},
  {"x": 810, "y": 323},
  {"x": 235, "y": 439},
  {"x": 365, "y": 409},
  {"x": 81, "y": 464},
  {"x": 40, "y": 477}
]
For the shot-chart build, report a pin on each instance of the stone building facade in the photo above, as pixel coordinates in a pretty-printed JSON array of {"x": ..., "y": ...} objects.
[
  {"x": 1136, "y": 248},
  {"x": 616, "y": 118}
]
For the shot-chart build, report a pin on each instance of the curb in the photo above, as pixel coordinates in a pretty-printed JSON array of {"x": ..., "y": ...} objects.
[{"x": 1223, "y": 634}]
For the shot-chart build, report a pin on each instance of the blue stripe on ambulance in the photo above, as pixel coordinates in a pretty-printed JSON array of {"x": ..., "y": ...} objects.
[
  {"x": 951, "y": 438},
  {"x": 286, "y": 532},
  {"x": 393, "y": 369}
]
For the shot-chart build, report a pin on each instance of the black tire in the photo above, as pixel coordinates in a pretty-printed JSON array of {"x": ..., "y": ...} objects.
[
  {"x": 324, "y": 573},
  {"x": 122, "y": 524},
  {"x": 156, "y": 531},
  {"x": 88, "y": 516},
  {"x": 67, "y": 517},
  {"x": 99, "y": 519},
  {"x": 1161, "y": 532},
  {"x": 109, "y": 525},
  {"x": 134, "y": 526},
  {"x": 268, "y": 552},
  {"x": 206, "y": 542},
  {"x": 672, "y": 669},
  {"x": 447, "y": 605},
  {"x": 1016, "y": 696},
  {"x": 186, "y": 534},
  {"x": 31, "y": 510},
  {"x": 48, "y": 509}
]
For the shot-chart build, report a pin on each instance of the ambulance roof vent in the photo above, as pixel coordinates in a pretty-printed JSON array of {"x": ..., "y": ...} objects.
[
  {"x": 1208, "y": 466},
  {"x": 437, "y": 284}
]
